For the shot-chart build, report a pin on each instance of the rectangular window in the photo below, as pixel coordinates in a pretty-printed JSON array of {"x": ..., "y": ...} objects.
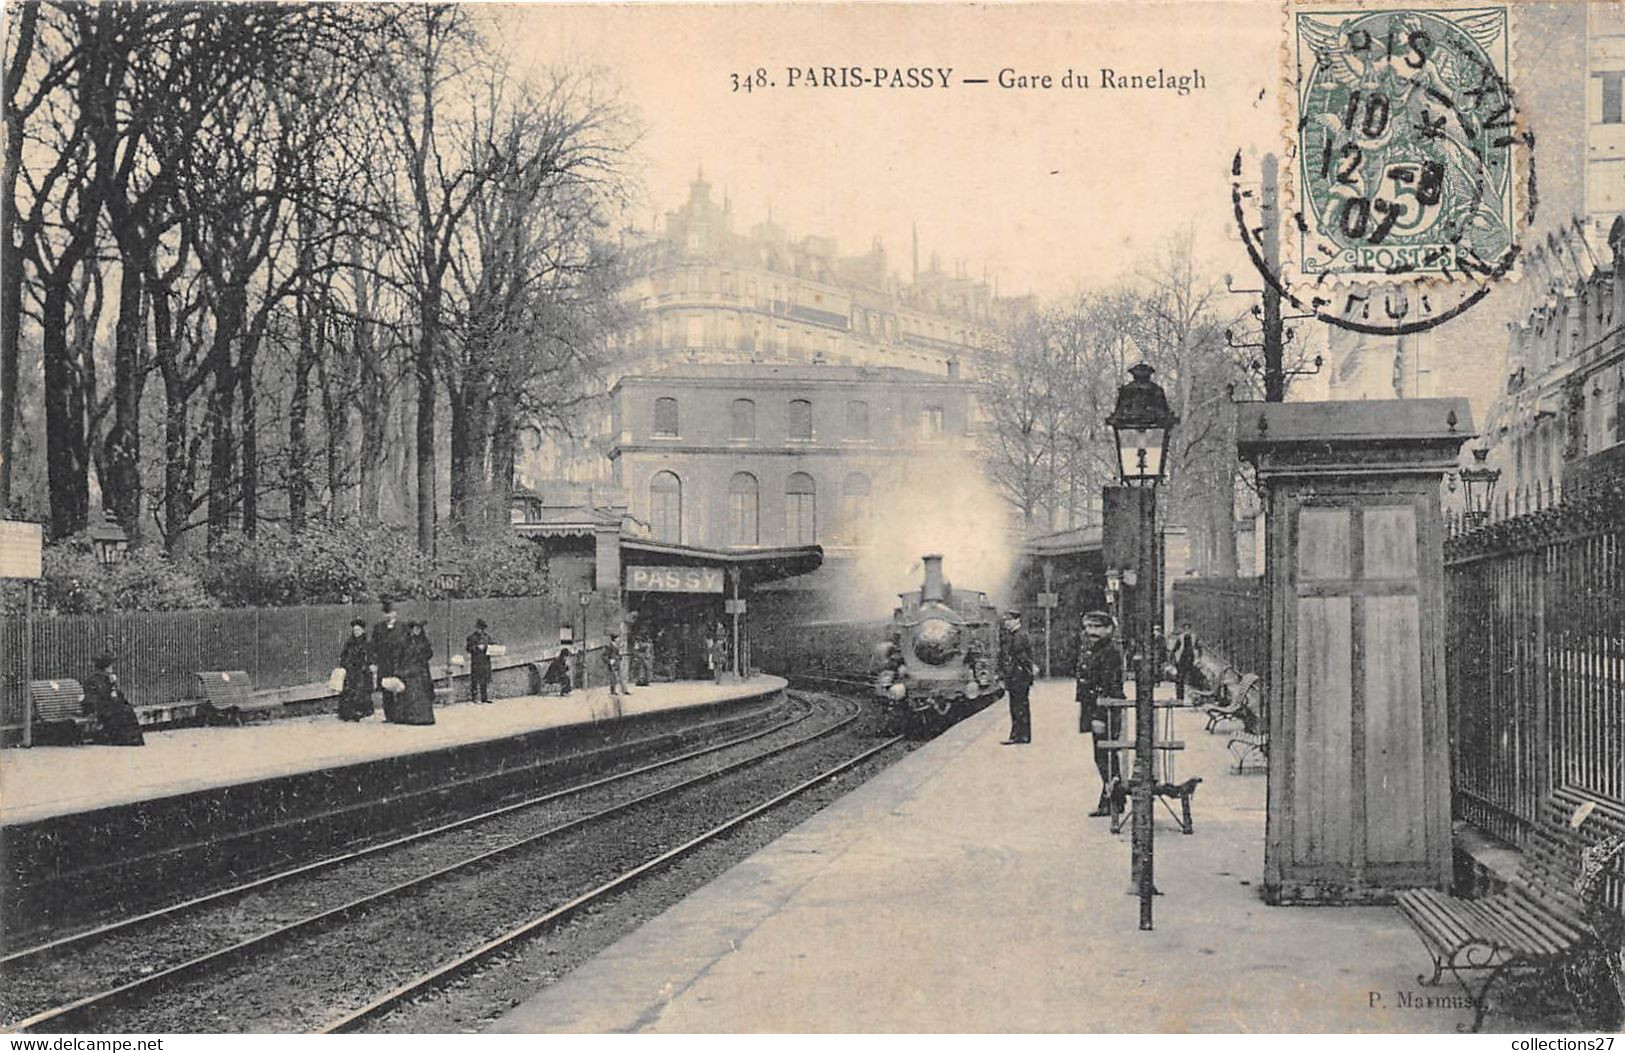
[
  {"x": 931, "y": 424},
  {"x": 696, "y": 331},
  {"x": 744, "y": 419},
  {"x": 1612, "y": 85},
  {"x": 857, "y": 421}
]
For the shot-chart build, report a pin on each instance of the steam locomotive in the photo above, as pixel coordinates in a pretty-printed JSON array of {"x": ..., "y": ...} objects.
[{"x": 941, "y": 660}]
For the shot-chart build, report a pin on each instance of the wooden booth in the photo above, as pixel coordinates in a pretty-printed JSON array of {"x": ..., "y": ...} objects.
[{"x": 1359, "y": 754}]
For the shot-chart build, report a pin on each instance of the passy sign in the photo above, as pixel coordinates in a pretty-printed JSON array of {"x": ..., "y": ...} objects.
[{"x": 674, "y": 579}]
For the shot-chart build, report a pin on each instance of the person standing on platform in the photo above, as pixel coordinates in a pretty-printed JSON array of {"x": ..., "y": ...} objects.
[
  {"x": 479, "y": 663},
  {"x": 355, "y": 697},
  {"x": 558, "y": 671},
  {"x": 415, "y": 704},
  {"x": 387, "y": 637},
  {"x": 1016, "y": 670},
  {"x": 1100, "y": 676},
  {"x": 1185, "y": 655},
  {"x": 117, "y": 724},
  {"x": 612, "y": 665}
]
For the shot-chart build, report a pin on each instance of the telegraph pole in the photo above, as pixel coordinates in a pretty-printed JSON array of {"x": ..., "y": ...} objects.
[{"x": 1274, "y": 367}]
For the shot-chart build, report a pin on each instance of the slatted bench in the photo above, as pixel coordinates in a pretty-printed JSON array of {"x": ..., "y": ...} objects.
[
  {"x": 1235, "y": 697},
  {"x": 1539, "y": 922},
  {"x": 59, "y": 715}
]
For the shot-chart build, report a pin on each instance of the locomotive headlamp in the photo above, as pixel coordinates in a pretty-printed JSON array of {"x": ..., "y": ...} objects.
[{"x": 1142, "y": 423}]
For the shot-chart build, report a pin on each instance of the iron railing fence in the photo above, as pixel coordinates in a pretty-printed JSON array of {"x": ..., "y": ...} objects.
[
  {"x": 1535, "y": 660},
  {"x": 158, "y": 653},
  {"x": 1227, "y": 616}
]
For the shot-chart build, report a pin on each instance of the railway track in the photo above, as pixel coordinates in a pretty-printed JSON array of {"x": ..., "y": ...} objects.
[{"x": 221, "y": 941}]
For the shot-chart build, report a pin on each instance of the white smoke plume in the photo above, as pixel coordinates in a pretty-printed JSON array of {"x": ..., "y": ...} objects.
[{"x": 938, "y": 504}]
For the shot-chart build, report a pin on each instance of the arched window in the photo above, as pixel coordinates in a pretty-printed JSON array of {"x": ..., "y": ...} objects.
[
  {"x": 800, "y": 510},
  {"x": 666, "y": 507},
  {"x": 744, "y": 419},
  {"x": 742, "y": 501},
  {"x": 855, "y": 509},
  {"x": 800, "y": 419},
  {"x": 857, "y": 421},
  {"x": 665, "y": 422}
]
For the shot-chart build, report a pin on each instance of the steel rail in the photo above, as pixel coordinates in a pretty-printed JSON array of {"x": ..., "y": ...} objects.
[
  {"x": 535, "y": 926},
  {"x": 316, "y": 866},
  {"x": 114, "y": 995}
]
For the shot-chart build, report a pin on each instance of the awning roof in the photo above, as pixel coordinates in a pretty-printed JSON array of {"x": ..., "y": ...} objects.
[
  {"x": 756, "y": 565},
  {"x": 1065, "y": 542}
]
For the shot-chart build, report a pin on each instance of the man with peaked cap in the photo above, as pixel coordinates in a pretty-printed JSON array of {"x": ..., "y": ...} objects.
[
  {"x": 1100, "y": 675},
  {"x": 1016, "y": 670}
]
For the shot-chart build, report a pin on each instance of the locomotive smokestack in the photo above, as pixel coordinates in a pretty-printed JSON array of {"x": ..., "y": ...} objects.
[{"x": 933, "y": 588}]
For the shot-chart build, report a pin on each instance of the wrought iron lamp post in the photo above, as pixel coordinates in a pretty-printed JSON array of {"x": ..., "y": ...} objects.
[
  {"x": 1142, "y": 424},
  {"x": 1478, "y": 480},
  {"x": 585, "y": 599},
  {"x": 109, "y": 540}
]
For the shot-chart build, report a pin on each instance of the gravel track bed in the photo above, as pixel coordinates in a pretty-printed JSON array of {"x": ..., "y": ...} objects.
[
  {"x": 616, "y": 753},
  {"x": 408, "y": 929},
  {"x": 312, "y": 978}
]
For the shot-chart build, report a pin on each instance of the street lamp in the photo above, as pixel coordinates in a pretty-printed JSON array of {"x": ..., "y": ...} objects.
[
  {"x": 448, "y": 580},
  {"x": 109, "y": 540},
  {"x": 1142, "y": 424},
  {"x": 1479, "y": 481},
  {"x": 585, "y": 599}
]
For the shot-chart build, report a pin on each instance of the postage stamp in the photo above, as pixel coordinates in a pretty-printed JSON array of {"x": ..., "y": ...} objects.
[{"x": 1409, "y": 151}]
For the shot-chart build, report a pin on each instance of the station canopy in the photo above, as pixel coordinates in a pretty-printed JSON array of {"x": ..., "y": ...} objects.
[{"x": 757, "y": 566}]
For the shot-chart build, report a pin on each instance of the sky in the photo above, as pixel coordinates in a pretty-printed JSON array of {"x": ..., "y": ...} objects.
[{"x": 1048, "y": 190}]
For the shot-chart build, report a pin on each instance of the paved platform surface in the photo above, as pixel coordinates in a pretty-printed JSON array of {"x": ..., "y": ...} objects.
[
  {"x": 964, "y": 890},
  {"x": 47, "y": 781}
]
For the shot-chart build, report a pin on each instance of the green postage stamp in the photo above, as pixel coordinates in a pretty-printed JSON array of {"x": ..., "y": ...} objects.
[{"x": 1411, "y": 161}]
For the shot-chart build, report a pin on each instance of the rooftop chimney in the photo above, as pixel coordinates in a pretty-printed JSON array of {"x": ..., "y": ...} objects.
[{"x": 933, "y": 588}]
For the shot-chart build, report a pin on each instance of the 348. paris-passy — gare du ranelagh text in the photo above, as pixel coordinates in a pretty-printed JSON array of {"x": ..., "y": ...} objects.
[{"x": 1103, "y": 78}]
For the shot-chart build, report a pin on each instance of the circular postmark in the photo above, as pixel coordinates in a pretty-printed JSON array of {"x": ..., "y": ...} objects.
[{"x": 1408, "y": 164}]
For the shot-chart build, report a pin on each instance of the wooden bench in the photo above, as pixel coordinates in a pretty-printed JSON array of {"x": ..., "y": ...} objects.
[
  {"x": 59, "y": 716},
  {"x": 1539, "y": 922}
]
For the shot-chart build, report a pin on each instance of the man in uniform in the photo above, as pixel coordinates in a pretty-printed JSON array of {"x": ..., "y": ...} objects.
[
  {"x": 479, "y": 663},
  {"x": 612, "y": 665},
  {"x": 1100, "y": 675},
  {"x": 1016, "y": 670}
]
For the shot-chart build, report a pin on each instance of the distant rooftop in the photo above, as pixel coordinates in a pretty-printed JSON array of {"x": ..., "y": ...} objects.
[{"x": 795, "y": 371}]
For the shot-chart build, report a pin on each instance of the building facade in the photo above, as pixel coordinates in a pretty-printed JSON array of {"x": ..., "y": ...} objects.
[
  {"x": 768, "y": 455},
  {"x": 707, "y": 294},
  {"x": 1562, "y": 413}
]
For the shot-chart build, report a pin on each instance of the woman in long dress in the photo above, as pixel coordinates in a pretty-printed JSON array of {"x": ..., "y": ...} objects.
[
  {"x": 116, "y": 722},
  {"x": 416, "y": 704},
  {"x": 355, "y": 700}
]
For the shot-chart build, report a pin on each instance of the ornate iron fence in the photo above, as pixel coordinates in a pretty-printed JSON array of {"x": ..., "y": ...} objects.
[
  {"x": 1535, "y": 656},
  {"x": 1227, "y": 616},
  {"x": 158, "y": 652}
]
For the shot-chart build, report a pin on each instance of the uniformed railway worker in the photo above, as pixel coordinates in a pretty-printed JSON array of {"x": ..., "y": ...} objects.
[
  {"x": 1016, "y": 670},
  {"x": 1100, "y": 675}
]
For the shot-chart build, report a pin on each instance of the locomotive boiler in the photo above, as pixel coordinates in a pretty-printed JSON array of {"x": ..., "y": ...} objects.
[{"x": 941, "y": 661}]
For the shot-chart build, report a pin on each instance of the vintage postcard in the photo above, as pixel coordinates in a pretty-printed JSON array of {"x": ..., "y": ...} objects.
[{"x": 813, "y": 518}]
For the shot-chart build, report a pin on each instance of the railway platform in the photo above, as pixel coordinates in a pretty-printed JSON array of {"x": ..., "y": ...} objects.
[
  {"x": 49, "y": 781},
  {"x": 964, "y": 889}
]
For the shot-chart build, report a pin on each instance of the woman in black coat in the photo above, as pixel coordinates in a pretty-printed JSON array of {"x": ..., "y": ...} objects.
[
  {"x": 416, "y": 703},
  {"x": 115, "y": 717},
  {"x": 355, "y": 701}
]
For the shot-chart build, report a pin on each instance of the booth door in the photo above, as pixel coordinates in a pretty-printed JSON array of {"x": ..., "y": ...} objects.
[{"x": 1358, "y": 788}]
